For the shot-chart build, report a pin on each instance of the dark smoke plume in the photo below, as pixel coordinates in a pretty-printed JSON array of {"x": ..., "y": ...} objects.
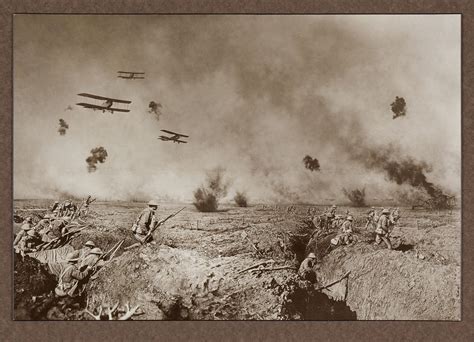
[
  {"x": 240, "y": 199},
  {"x": 356, "y": 196},
  {"x": 154, "y": 108},
  {"x": 406, "y": 170},
  {"x": 99, "y": 154},
  {"x": 311, "y": 164},
  {"x": 206, "y": 197},
  {"x": 63, "y": 126},
  {"x": 399, "y": 107}
]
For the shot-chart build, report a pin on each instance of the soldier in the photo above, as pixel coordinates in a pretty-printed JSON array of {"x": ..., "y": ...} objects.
[
  {"x": 54, "y": 206},
  {"x": 306, "y": 271},
  {"x": 347, "y": 225},
  {"x": 28, "y": 242},
  {"x": 145, "y": 222},
  {"x": 70, "y": 276},
  {"x": 24, "y": 230},
  {"x": 382, "y": 230},
  {"x": 370, "y": 217},
  {"x": 91, "y": 258},
  {"x": 55, "y": 230},
  {"x": 330, "y": 216},
  {"x": 84, "y": 251}
]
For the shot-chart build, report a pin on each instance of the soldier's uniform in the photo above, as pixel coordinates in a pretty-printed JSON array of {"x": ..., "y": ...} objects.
[
  {"x": 370, "y": 217},
  {"x": 88, "y": 246},
  {"x": 145, "y": 222},
  {"x": 24, "y": 230},
  {"x": 347, "y": 225},
  {"x": 91, "y": 258},
  {"x": 70, "y": 277},
  {"x": 28, "y": 242},
  {"x": 306, "y": 272},
  {"x": 382, "y": 230}
]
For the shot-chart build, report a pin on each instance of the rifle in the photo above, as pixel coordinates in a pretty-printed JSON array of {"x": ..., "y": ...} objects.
[
  {"x": 147, "y": 237},
  {"x": 109, "y": 254},
  {"x": 44, "y": 245}
]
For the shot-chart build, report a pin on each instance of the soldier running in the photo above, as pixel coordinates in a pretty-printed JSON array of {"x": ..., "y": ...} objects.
[{"x": 383, "y": 229}]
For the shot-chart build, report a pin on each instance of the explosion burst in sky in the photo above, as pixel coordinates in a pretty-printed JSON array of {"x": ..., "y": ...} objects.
[
  {"x": 399, "y": 107},
  {"x": 63, "y": 126},
  {"x": 311, "y": 164},
  {"x": 98, "y": 155}
]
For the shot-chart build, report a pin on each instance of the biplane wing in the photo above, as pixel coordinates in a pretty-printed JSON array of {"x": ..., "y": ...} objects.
[
  {"x": 97, "y": 97},
  {"x": 180, "y": 141},
  {"x": 92, "y": 106},
  {"x": 169, "y": 132},
  {"x": 131, "y": 72},
  {"x": 161, "y": 137},
  {"x": 131, "y": 77}
]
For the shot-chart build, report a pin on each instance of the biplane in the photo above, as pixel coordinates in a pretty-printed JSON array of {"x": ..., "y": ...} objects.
[
  {"x": 175, "y": 137},
  {"x": 131, "y": 75},
  {"x": 105, "y": 106}
]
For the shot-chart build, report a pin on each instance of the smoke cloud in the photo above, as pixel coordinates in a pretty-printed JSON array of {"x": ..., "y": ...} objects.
[
  {"x": 254, "y": 92},
  {"x": 399, "y": 107},
  {"x": 98, "y": 155},
  {"x": 63, "y": 126},
  {"x": 356, "y": 196},
  {"x": 310, "y": 163},
  {"x": 154, "y": 108}
]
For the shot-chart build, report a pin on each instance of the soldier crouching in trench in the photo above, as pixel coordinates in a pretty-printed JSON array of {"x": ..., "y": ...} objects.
[
  {"x": 306, "y": 271},
  {"x": 69, "y": 278},
  {"x": 145, "y": 222}
]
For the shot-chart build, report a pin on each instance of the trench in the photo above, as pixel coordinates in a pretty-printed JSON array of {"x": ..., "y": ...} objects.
[
  {"x": 304, "y": 303},
  {"x": 34, "y": 297}
]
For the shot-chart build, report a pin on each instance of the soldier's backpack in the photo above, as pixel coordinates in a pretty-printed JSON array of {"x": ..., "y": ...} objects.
[{"x": 65, "y": 289}]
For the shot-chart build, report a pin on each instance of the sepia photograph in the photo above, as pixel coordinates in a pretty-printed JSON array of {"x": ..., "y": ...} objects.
[{"x": 237, "y": 167}]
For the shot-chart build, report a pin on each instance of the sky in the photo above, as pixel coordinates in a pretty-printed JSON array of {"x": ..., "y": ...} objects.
[{"x": 256, "y": 94}]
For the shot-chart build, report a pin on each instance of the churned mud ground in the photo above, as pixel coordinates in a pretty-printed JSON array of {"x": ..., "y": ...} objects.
[{"x": 197, "y": 268}]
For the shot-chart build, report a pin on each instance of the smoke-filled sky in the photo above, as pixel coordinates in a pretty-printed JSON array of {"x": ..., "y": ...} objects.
[{"x": 254, "y": 93}]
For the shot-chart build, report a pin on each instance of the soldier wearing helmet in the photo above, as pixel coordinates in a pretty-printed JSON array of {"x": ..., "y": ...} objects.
[
  {"x": 70, "y": 276},
  {"x": 91, "y": 258},
  {"x": 382, "y": 230},
  {"x": 145, "y": 222},
  {"x": 84, "y": 251},
  {"x": 347, "y": 225},
  {"x": 24, "y": 230},
  {"x": 306, "y": 271},
  {"x": 370, "y": 217}
]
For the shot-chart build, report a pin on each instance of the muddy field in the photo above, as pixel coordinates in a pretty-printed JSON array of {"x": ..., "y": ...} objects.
[{"x": 197, "y": 267}]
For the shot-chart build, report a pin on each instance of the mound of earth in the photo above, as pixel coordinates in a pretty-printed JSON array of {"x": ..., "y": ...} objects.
[
  {"x": 171, "y": 283},
  {"x": 393, "y": 285}
]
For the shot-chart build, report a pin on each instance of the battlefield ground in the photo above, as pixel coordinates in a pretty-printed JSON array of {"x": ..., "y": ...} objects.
[{"x": 198, "y": 267}]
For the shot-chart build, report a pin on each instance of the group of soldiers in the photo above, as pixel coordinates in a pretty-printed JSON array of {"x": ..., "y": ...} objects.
[
  {"x": 382, "y": 224},
  {"x": 53, "y": 226},
  {"x": 77, "y": 267}
]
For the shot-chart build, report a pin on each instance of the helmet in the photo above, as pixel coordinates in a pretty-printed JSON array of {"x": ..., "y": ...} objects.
[
  {"x": 26, "y": 227},
  {"x": 152, "y": 203},
  {"x": 311, "y": 255},
  {"x": 385, "y": 211},
  {"x": 372, "y": 208},
  {"x": 90, "y": 244},
  {"x": 47, "y": 216},
  {"x": 32, "y": 232},
  {"x": 28, "y": 219},
  {"x": 334, "y": 206},
  {"x": 73, "y": 256},
  {"x": 350, "y": 218},
  {"x": 56, "y": 202},
  {"x": 96, "y": 251}
]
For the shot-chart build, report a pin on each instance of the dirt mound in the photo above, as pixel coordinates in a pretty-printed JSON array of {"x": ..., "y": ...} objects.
[
  {"x": 170, "y": 283},
  {"x": 392, "y": 285}
]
